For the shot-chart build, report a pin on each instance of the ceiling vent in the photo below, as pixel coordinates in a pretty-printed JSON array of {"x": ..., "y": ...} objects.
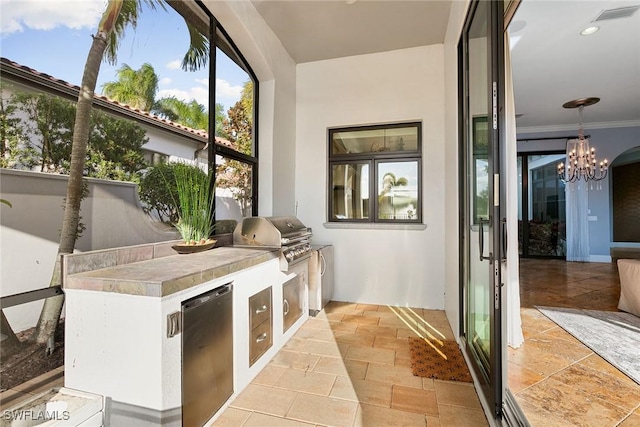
[{"x": 621, "y": 12}]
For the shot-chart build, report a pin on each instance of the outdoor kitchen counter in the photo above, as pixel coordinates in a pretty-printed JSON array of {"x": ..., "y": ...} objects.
[
  {"x": 106, "y": 271},
  {"x": 124, "y": 322}
]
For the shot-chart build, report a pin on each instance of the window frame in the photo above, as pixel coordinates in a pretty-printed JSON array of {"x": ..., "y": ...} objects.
[
  {"x": 374, "y": 159},
  {"x": 220, "y": 39}
]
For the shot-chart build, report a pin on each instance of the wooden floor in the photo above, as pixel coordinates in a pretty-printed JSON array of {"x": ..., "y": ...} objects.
[{"x": 557, "y": 380}]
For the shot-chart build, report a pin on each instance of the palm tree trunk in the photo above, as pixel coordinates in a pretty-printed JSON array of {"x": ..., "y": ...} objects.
[
  {"x": 10, "y": 342},
  {"x": 50, "y": 314}
]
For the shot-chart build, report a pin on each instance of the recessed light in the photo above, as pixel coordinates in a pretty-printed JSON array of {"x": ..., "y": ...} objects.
[{"x": 589, "y": 30}]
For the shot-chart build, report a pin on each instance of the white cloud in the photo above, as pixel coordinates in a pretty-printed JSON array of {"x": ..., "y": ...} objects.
[
  {"x": 18, "y": 15},
  {"x": 227, "y": 94},
  {"x": 165, "y": 81},
  {"x": 174, "y": 65},
  {"x": 200, "y": 94},
  {"x": 224, "y": 89}
]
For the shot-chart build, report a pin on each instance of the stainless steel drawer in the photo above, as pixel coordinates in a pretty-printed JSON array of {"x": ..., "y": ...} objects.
[
  {"x": 259, "y": 307},
  {"x": 260, "y": 324},
  {"x": 260, "y": 340},
  {"x": 292, "y": 300}
]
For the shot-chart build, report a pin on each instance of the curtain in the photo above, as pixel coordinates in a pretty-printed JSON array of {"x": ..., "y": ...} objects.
[
  {"x": 511, "y": 272},
  {"x": 577, "y": 208}
]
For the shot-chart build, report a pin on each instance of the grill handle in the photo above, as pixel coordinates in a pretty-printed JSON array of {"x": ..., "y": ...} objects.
[{"x": 289, "y": 240}]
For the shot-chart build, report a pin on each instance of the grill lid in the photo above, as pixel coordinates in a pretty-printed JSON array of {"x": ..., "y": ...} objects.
[{"x": 270, "y": 232}]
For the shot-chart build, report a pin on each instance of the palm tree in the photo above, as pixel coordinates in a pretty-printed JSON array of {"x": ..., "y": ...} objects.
[
  {"x": 191, "y": 114},
  {"x": 389, "y": 181},
  {"x": 136, "y": 88},
  {"x": 119, "y": 14}
]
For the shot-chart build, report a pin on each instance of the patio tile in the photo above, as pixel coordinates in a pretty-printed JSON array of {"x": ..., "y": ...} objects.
[
  {"x": 370, "y": 415},
  {"x": 306, "y": 381},
  {"x": 414, "y": 400},
  {"x": 397, "y": 375},
  {"x": 632, "y": 420},
  {"x": 378, "y": 331},
  {"x": 354, "y": 369},
  {"x": 371, "y": 392},
  {"x": 325, "y": 348},
  {"x": 264, "y": 399},
  {"x": 295, "y": 360},
  {"x": 370, "y": 354},
  {"x": 269, "y": 375},
  {"x": 457, "y": 394},
  {"x": 262, "y": 420},
  {"x": 232, "y": 417},
  {"x": 323, "y": 410},
  {"x": 462, "y": 417}
]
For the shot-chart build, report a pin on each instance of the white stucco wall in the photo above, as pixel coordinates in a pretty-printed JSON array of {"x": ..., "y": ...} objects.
[
  {"x": 384, "y": 266},
  {"x": 29, "y": 230},
  {"x": 452, "y": 278}
]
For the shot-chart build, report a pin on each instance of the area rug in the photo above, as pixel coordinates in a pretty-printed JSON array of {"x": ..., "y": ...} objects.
[
  {"x": 614, "y": 336},
  {"x": 430, "y": 359}
]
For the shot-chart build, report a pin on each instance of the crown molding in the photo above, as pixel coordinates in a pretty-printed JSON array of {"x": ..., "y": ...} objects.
[{"x": 574, "y": 127}]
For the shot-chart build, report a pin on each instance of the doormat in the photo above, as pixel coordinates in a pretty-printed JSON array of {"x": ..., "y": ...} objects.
[
  {"x": 613, "y": 335},
  {"x": 444, "y": 362}
]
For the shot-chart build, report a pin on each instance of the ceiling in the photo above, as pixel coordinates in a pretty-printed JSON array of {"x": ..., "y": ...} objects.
[{"x": 552, "y": 63}]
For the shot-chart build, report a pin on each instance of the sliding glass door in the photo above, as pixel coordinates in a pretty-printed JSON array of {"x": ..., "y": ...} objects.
[
  {"x": 482, "y": 82},
  {"x": 542, "y": 213}
]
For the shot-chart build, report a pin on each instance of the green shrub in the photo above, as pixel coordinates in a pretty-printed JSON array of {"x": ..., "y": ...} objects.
[{"x": 158, "y": 192}]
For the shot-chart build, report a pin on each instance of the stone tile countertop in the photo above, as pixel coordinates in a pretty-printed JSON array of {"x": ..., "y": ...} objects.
[{"x": 159, "y": 277}]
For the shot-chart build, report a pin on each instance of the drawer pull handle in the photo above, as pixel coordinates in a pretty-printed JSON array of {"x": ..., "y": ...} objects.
[
  {"x": 286, "y": 307},
  {"x": 261, "y": 309},
  {"x": 262, "y": 337}
]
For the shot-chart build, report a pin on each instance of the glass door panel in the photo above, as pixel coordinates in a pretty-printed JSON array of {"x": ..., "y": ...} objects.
[
  {"x": 479, "y": 285},
  {"x": 542, "y": 199},
  {"x": 482, "y": 74},
  {"x": 546, "y": 214}
]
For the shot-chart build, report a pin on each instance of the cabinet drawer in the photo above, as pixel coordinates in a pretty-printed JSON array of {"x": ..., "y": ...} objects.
[
  {"x": 259, "y": 307},
  {"x": 260, "y": 340}
]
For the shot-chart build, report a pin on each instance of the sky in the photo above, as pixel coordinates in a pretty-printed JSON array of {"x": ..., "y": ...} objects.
[{"x": 54, "y": 37}]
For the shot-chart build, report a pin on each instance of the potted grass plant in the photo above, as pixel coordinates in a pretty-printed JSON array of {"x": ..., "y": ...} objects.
[{"x": 195, "y": 208}]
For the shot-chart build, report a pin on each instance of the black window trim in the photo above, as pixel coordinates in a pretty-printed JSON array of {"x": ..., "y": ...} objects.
[{"x": 219, "y": 38}]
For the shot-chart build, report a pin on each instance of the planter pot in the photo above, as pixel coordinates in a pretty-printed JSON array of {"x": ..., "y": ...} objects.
[{"x": 184, "y": 248}]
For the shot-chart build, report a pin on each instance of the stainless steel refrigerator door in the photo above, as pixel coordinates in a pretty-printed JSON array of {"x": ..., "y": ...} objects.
[
  {"x": 326, "y": 273},
  {"x": 207, "y": 355}
]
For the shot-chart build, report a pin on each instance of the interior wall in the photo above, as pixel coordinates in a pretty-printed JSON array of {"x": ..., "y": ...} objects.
[
  {"x": 383, "y": 265},
  {"x": 609, "y": 144}
]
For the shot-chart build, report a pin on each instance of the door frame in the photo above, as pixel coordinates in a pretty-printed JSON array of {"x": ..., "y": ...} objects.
[
  {"x": 490, "y": 390},
  {"x": 524, "y": 203}
]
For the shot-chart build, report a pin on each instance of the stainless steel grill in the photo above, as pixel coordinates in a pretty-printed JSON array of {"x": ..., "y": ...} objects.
[{"x": 286, "y": 233}]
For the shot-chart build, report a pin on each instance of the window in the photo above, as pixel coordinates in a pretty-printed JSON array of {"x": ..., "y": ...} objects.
[{"x": 374, "y": 173}]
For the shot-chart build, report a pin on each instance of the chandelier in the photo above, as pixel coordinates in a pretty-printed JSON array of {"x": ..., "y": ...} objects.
[{"x": 581, "y": 159}]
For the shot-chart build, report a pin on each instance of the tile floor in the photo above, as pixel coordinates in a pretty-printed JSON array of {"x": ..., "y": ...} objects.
[
  {"x": 350, "y": 366},
  {"x": 558, "y": 381}
]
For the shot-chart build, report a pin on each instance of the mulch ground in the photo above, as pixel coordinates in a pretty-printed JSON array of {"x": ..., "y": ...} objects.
[{"x": 31, "y": 361}]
